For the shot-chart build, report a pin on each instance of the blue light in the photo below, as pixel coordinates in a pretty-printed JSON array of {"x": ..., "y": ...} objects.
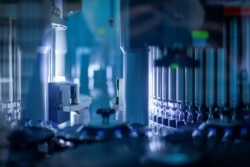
[
  {"x": 84, "y": 133},
  {"x": 175, "y": 158},
  {"x": 118, "y": 133},
  {"x": 100, "y": 133}
]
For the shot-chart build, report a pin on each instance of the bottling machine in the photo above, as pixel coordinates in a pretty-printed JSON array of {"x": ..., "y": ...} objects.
[{"x": 182, "y": 90}]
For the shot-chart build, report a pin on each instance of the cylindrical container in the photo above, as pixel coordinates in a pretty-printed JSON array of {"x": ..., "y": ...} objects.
[{"x": 210, "y": 77}]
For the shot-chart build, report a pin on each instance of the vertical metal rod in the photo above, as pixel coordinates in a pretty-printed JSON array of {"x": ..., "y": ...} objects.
[
  {"x": 165, "y": 81},
  {"x": 6, "y": 67},
  {"x": 111, "y": 14},
  {"x": 150, "y": 85},
  {"x": 221, "y": 78},
  {"x": 246, "y": 59},
  {"x": 159, "y": 75},
  {"x": 180, "y": 85},
  {"x": 150, "y": 73},
  {"x": 52, "y": 71},
  {"x": 10, "y": 54},
  {"x": 189, "y": 91},
  {"x": 181, "y": 95},
  {"x": 15, "y": 63},
  {"x": 172, "y": 85},
  {"x": 233, "y": 64},
  {"x": 16, "y": 75},
  {"x": 155, "y": 70},
  {"x": 210, "y": 77},
  {"x": 199, "y": 87},
  {"x": 18, "y": 107},
  {"x": 1, "y": 62}
]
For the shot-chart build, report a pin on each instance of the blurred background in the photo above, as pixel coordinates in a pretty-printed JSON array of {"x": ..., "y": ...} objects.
[
  {"x": 58, "y": 41},
  {"x": 94, "y": 41},
  {"x": 155, "y": 68},
  {"x": 60, "y": 57}
]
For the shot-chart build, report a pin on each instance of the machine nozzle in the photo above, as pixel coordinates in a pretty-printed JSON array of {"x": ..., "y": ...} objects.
[{"x": 176, "y": 58}]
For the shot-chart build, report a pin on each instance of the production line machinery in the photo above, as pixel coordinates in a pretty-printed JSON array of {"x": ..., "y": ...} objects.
[
  {"x": 218, "y": 88},
  {"x": 183, "y": 99}
]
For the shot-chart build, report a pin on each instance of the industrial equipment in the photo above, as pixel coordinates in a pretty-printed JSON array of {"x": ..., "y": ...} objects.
[{"x": 182, "y": 97}]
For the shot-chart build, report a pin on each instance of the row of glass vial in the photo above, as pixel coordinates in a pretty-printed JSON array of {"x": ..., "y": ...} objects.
[
  {"x": 207, "y": 87},
  {"x": 10, "y": 71}
]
